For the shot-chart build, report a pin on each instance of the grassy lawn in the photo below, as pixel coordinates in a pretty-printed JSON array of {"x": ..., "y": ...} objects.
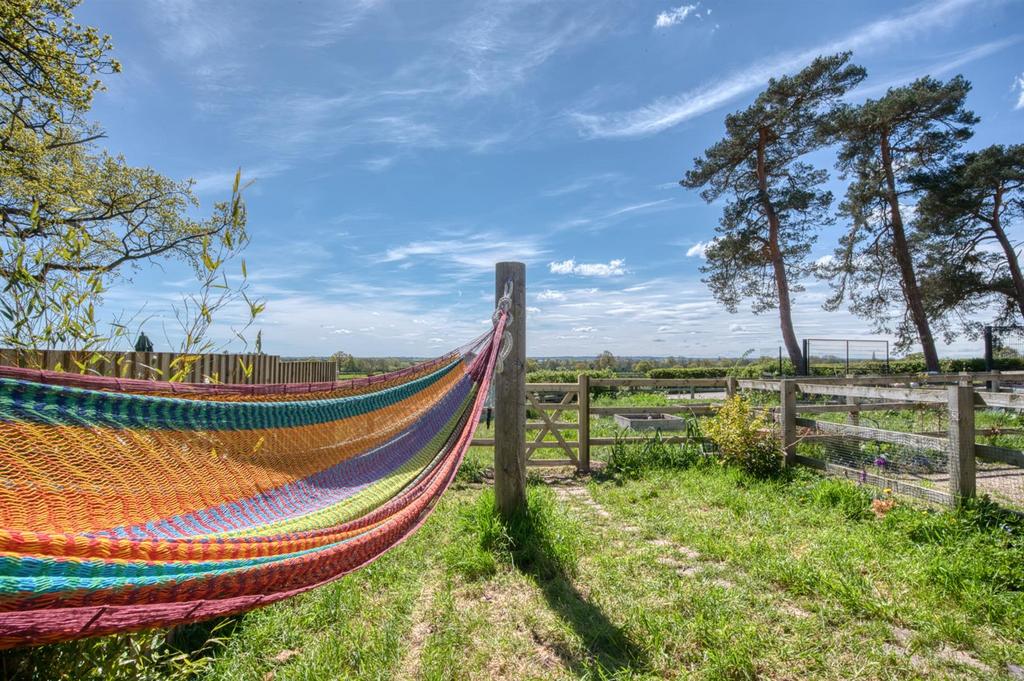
[{"x": 700, "y": 572}]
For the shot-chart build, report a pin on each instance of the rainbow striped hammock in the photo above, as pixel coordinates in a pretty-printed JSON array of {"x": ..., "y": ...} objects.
[{"x": 129, "y": 504}]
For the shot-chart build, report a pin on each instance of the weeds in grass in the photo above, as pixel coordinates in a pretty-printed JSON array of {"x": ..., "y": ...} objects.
[
  {"x": 854, "y": 502},
  {"x": 630, "y": 460},
  {"x": 169, "y": 655},
  {"x": 543, "y": 540},
  {"x": 471, "y": 471}
]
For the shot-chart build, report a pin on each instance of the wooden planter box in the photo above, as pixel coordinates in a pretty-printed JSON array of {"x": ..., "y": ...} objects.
[{"x": 651, "y": 421}]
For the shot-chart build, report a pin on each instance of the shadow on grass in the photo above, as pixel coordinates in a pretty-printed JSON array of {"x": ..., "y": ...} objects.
[{"x": 545, "y": 547}]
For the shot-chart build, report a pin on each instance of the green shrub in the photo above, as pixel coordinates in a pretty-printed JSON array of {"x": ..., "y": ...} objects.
[{"x": 744, "y": 438}]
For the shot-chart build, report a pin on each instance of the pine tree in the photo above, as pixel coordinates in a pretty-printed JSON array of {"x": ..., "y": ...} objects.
[
  {"x": 776, "y": 201},
  {"x": 884, "y": 143}
]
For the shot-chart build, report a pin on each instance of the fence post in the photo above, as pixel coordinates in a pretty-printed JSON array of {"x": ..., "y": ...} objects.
[
  {"x": 730, "y": 387},
  {"x": 961, "y": 442},
  {"x": 510, "y": 398},
  {"x": 787, "y": 419},
  {"x": 989, "y": 360},
  {"x": 583, "y": 423},
  {"x": 853, "y": 416},
  {"x": 994, "y": 384}
]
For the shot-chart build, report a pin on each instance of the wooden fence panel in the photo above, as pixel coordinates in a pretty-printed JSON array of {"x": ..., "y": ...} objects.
[{"x": 160, "y": 366}]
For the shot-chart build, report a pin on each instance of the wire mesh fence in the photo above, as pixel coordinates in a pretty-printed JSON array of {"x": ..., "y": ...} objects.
[
  {"x": 908, "y": 438},
  {"x": 841, "y": 356},
  {"x": 893, "y": 445}
]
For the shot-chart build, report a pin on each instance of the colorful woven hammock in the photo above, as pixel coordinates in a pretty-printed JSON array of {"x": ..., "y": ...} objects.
[{"x": 132, "y": 504}]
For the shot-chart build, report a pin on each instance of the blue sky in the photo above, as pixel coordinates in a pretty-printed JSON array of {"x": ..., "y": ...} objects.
[{"x": 399, "y": 149}]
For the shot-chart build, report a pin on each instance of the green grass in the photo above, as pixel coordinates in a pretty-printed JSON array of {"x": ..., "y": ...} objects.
[{"x": 797, "y": 579}]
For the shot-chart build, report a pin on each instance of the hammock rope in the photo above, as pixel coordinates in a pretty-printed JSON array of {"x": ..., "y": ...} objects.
[{"x": 128, "y": 504}]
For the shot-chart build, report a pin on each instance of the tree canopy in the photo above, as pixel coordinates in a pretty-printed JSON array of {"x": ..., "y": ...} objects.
[
  {"x": 964, "y": 217},
  {"x": 73, "y": 217}
]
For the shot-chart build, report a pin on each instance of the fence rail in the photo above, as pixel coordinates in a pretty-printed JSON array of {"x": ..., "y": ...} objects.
[
  {"x": 950, "y": 398},
  {"x": 246, "y": 369},
  {"x": 575, "y": 397}
]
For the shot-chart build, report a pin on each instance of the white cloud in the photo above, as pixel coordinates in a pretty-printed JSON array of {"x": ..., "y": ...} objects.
[
  {"x": 613, "y": 268},
  {"x": 473, "y": 253},
  {"x": 550, "y": 295},
  {"x": 825, "y": 260},
  {"x": 699, "y": 249},
  {"x": 676, "y": 15},
  {"x": 665, "y": 113},
  {"x": 1018, "y": 84},
  {"x": 584, "y": 329}
]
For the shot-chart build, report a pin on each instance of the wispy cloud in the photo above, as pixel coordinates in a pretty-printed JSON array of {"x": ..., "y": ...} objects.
[
  {"x": 472, "y": 253},
  {"x": 668, "y": 112},
  {"x": 221, "y": 181},
  {"x": 582, "y": 184},
  {"x": 614, "y": 268},
  {"x": 673, "y": 16},
  {"x": 597, "y": 221},
  {"x": 1018, "y": 84},
  {"x": 339, "y": 19},
  {"x": 939, "y": 67}
]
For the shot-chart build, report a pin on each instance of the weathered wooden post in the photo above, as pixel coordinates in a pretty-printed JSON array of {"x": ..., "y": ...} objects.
[
  {"x": 961, "y": 442},
  {"x": 510, "y": 397},
  {"x": 853, "y": 416},
  {"x": 730, "y": 387},
  {"x": 583, "y": 423},
  {"x": 787, "y": 419}
]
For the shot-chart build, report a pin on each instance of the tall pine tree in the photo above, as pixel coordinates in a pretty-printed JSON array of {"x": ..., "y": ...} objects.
[
  {"x": 884, "y": 143},
  {"x": 776, "y": 202}
]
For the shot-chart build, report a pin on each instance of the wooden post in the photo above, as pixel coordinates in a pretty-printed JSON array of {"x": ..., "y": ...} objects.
[
  {"x": 961, "y": 442},
  {"x": 583, "y": 423},
  {"x": 853, "y": 416},
  {"x": 787, "y": 402},
  {"x": 730, "y": 387},
  {"x": 510, "y": 398}
]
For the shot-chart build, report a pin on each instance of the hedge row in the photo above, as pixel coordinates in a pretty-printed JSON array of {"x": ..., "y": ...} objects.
[
  {"x": 896, "y": 366},
  {"x": 759, "y": 369},
  {"x": 566, "y": 375}
]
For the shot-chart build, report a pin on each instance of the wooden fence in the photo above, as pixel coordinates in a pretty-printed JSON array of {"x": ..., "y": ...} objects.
[
  {"x": 957, "y": 396},
  {"x": 249, "y": 369},
  {"x": 550, "y": 400}
]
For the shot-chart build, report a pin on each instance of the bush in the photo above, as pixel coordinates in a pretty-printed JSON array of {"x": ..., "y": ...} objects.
[{"x": 744, "y": 439}]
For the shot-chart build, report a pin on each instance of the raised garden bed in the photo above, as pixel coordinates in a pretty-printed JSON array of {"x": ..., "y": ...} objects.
[{"x": 650, "y": 421}]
